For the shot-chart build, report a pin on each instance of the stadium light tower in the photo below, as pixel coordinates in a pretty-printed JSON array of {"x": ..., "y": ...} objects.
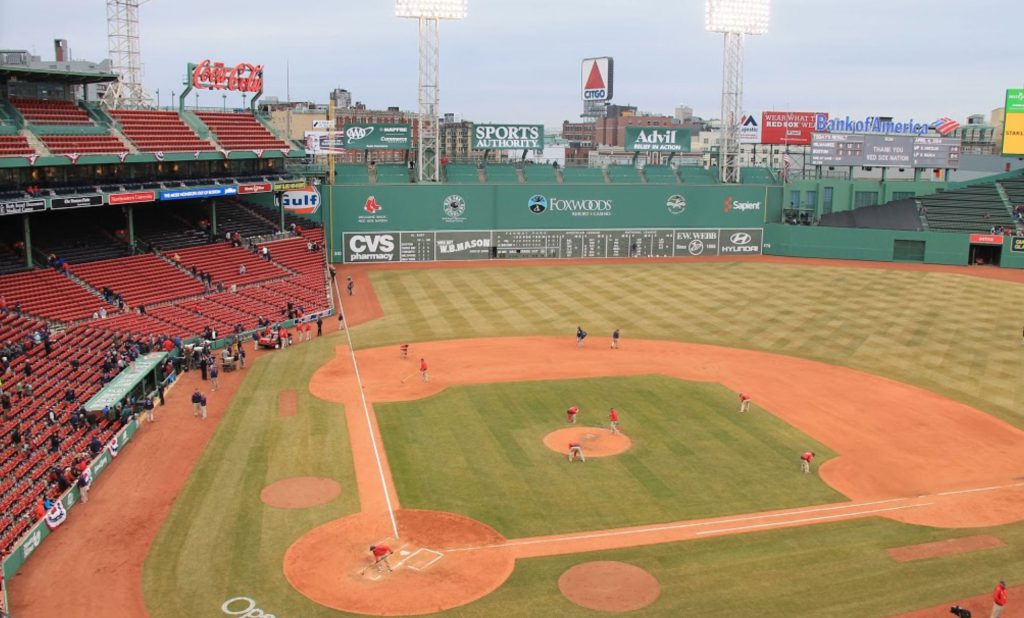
[
  {"x": 734, "y": 18},
  {"x": 125, "y": 58},
  {"x": 430, "y": 13}
]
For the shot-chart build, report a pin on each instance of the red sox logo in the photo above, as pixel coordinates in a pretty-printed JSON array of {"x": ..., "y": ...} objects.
[{"x": 371, "y": 205}]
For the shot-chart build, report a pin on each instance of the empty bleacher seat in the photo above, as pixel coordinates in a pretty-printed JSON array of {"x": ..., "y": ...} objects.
[
  {"x": 158, "y": 131},
  {"x": 660, "y": 175},
  {"x": 83, "y": 144},
  {"x": 241, "y": 132},
  {"x": 583, "y": 175},
  {"x": 141, "y": 279},
  {"x": 51, "y": 111},
  {"x": 502, "y": 174},
  {"x": 540, "y": 173},
  {"x": 48, "y": 294},
  {"x": 15, "y": 146}
]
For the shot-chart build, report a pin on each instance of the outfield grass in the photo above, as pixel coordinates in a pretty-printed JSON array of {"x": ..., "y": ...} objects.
[
  {"x": 952, "y": 334},
  {"x": 220, "y": 540},
  {"x": 478, "y": 450}
]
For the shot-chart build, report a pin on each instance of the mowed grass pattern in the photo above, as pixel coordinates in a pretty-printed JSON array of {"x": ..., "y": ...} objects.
[
  {"x": 220, "y": 541},
  {"x": 478, "y": 450},
  {"x": 953, "y": 334}
]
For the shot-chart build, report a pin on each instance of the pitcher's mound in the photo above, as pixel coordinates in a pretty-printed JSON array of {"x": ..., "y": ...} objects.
[
  {"x": 596, "y": 441},
  {"x": 440, "y": 561},
  {"x": 609, "y": 586},
  {"x": 300, "y": 492}
]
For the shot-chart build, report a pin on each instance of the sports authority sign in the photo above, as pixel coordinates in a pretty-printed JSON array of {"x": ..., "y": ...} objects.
[
  {"x": 651, "y": 139},
  {"x": 597, "y": 78},
  {"x": 508, "y": 137},
  {"x": 788, "y": 127}
]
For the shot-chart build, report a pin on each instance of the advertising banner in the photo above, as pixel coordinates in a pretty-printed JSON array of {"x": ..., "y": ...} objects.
[
  {"x": 77, "y": 201},
  {"x": 259, "y": 187},
  {"x": 377, "y": 136},
  {"x": 131, "y": 198},
  {"x": 653, "y": 139},
  {"x": 319, "y": 142},
  {"x": 749, "y": 129},
  {"x": 1013, "y": 123},
  {"x": 788, "y": 127},
  {"x": 21, "y": 206},
  {"x": 986, "y": 239},
  {"x": 188, "y": 194},
  {"x": 304, "y": 201},
  {"x": 1017, "y": 244},
  {"x": 508, "y": 137},
  {"x": 597, "y": 79}
]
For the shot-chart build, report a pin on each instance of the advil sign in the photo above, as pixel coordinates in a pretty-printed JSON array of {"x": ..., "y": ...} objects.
[{"x": 597, "y": 79}]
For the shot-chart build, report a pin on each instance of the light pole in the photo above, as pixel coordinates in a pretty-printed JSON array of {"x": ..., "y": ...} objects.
[
  {"x": 734, "y": 18},
  {"x": 224, "y": 97},
  {"x": 429, "y": 13},
  {"x": 158, "y": 98}
]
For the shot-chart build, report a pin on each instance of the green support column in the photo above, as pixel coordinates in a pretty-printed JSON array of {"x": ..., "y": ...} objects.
[
  {"x": 130, "y": 215},
  {"x": 213, "y": 217},
  {"x": 280, "y": 204},
  {"x": 27, "y": 238},
  {"x": 917, "y": 174}
]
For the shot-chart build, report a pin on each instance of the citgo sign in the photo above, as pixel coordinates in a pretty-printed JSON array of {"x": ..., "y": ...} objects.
[
  {"x": 303, "y": 201},
  {"x": 597, "y": 79}
]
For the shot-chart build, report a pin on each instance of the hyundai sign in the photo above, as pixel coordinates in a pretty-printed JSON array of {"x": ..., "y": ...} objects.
[{"x": 597, "y": 79}]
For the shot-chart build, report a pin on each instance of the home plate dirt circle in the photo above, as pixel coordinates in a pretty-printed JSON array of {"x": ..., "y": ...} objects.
[
  {"x": 433, "y": 571},
  {"x": 300, "y": 492},
  {"x": 609, "y": 586},
  {"x": 596, "y": 441}
]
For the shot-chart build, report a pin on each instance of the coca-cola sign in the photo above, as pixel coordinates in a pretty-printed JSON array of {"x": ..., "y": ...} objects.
[{"x": 243, "y": 77}]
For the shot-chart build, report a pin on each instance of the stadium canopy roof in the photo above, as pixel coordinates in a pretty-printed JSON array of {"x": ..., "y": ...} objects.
[{"x": 26, "y": 74}]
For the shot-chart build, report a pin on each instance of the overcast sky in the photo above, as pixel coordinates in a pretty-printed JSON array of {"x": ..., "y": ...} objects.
[{"x": 519, "y": 60}]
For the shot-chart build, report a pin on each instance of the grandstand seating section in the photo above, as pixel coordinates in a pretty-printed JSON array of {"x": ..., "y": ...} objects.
[
  {"x": 502, "y": 174},
  {"x": 1014, "y": 188},
  {"x": 461, "y": 173},
  {"x": 241, "y": 131},
  {"x": 14, "y": 146},
  {"x": 222, "y": 261},
  {"x": 351, "y": 173},
  {"x": 392, "y": 173},
  {"x": 756, "y": 176},
  {"x": 140, "y": 280},
  {"x": 162, "y": 226},
  {"x": 692, "y": 174},
  {"x": 233, "y": 217},
  {"x": 976, "y": 208},
  {"x": 83, "y": 144},
  {"x": 51, "y": 111},
  {"x": 540, "y": 173},
  {"x": 583, "y": 175},
  {"x": 47, "y": 294},
  {"x": 78, "y": 236},
  {"x": 624, "y": 174},
  {"x": 158, "y": 131},
  {"x": 660, "y": 175}
]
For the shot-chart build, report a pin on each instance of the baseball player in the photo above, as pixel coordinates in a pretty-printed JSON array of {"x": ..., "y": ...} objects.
[
  {"x": 613, "y": 418},
  {"x": 380, "y": 557},
  {"x": 615, "y": 339},
  {"x": 571, "y": 414},
  {"x": 423, "y": 370},
  {"x": 744, "y": 402},
  {"x": 576, "y": 451},
  {"x": 580, "y": 336},
  {"x": 805, "y": 462}
]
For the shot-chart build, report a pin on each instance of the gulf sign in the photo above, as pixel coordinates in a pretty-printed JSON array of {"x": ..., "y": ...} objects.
[
  {"x": 304, "y": 201},
  {"x": 788, "y": 127},
  {"x": 597, "y": 79}
]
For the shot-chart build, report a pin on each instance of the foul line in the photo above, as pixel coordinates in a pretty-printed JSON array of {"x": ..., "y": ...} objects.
[
  {"x": 366, "y": 412},
  {"x": 805, "y": 520},
  {"x": 623, "y": 532}
]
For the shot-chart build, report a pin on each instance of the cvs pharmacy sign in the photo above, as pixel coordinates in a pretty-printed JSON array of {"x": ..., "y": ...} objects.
[
  {"x": 371, "y": 247},
  {"x": 303, "y": 201},
  {"x": 597, "y": 79}
]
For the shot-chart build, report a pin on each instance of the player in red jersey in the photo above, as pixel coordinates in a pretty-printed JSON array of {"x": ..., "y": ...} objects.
[{"x": 571, "y": 414}]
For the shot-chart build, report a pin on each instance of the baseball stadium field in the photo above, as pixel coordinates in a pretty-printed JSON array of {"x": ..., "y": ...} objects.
[{"x": 903, "y": 380}]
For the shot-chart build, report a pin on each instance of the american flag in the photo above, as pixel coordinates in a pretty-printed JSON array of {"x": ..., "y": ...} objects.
[
  {"x": 945, "y": 125},
  {"x": 788, "y": 162}
]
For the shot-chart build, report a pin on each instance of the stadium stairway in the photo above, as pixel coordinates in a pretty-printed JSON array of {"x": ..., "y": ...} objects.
[{"x": 222, "y": 262}]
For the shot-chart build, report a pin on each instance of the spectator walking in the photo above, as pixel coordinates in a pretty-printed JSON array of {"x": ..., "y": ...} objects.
[
  {"x": 83, "y": 486},
  {"x": 197, "y": 398},
  {"x": 214, "y": 375},
  {"x": 350, "y": 285},
  {"x": 319, "y": 326},
  {"x": 202, "y": 406}
]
